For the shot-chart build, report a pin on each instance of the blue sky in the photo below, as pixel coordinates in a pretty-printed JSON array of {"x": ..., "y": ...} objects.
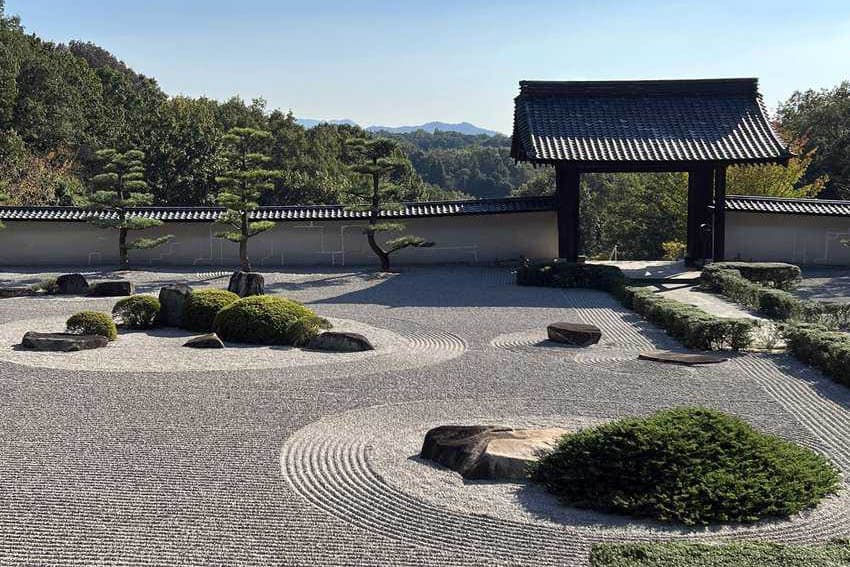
[{"x": 401, "y": 62}]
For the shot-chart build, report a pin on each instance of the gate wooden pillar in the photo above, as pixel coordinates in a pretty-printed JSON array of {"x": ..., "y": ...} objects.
[
  {"x": 568, "y": 199},
  {"x": 719, "y": 214},
  {"x": 700, "y": 200}
]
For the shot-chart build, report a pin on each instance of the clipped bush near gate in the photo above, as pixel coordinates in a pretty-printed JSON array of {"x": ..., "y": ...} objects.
[
  {"x": 203, "y": 305},
  {"x": 771, "y": 274},
  {"x": 92, "y": 323},
  {"x": 569, "y": 274},
  {"x": 691, "y": 325},
  {"x": 826, "y": 350},
  {"x": 687, "y": 465},
  {"x": 137, "y": 311},
  {"x": 270, "y": 320}
]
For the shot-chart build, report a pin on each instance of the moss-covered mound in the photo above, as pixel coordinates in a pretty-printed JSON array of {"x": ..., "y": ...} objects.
[
  {"x": 137, "y": 311},
  {"x": 689, "y": 465},
  {"x": 268, "y": 320},
  {"x": 92, "y": 323},
  {"x": 203, "y": 305}
]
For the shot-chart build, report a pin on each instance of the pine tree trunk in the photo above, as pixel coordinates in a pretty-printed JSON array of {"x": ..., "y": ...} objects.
[
  {"x": 379, "y": 252},
  {"x": 123, "y": 261},
  {"x": 244, "y": 264},
  {"x": 374, "y": 213}
]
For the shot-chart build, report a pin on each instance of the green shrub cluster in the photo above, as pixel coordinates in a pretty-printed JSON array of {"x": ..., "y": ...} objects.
[
  {"x": 771, "y": 274},
  {"x": 824, "y": 349},
  {"x": 771, "y": 302},
  {"x": 137, "y": 311},
  {"x": 688, "y": 465},
  {"x": 738, "y": 554},
  {"x": 48, "y": 286},
  {"x": 569, "y": 274},
  {"x": 266, "y": 319},
  {"x": 203, "y": 305},
  {"x": 92, "y": 323},
  {"x": 691, "y": 325}
]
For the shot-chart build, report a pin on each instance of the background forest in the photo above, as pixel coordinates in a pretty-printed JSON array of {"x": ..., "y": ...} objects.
[{"x": 60, "y": 104}]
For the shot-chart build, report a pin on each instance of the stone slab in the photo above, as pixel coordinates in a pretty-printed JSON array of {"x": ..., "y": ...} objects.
[
  {"x": 688, "y": 359},
  {"x": 336, "y": 341},
  {"x": 118, "y": 288},
  {"x": 577, "y": 334},
  {"x": 210, "y": 340},
  {"x": 62, "y": 342}
]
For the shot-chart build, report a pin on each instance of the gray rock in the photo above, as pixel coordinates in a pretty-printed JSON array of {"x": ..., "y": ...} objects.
[
  {"x": 118, "y": 288},
  {"x": 172, "y": 301},
  {"x": 340, "y": 342},
  {"x": 688, "y": 359},
  {"x": 7, "y": 292},
  {"x": 72, "y": 284},
  {"x": 487, "y": 451},
  {"x": 210, "y": 340},
  {"x": 244, "y": 284},
  {"x": 62, "y": 342},
  {"x": 578, "y": 334}
]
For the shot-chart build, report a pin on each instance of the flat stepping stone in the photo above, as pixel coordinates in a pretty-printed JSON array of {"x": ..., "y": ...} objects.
[
  {"x": 688, "y": 359},
  {"x": 488, "y": 452},
  {"x": 210, "y": 340},
  {"x": 62, "y": 342},
  {"x": 577, "y": 334},
  {"x": 336, "y": 341}
]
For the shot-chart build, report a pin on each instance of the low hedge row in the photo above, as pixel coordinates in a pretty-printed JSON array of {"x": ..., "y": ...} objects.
[
  {"x": 824, "y": 349},
  {"x": 691, "y": 325},
  {"x": 771, "y": 302},
  {"x": 568, "y": 274},
  {"x": 772, "y": 274}
]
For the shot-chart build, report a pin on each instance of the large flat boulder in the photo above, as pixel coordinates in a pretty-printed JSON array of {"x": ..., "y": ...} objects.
[
  {"x": 686, "y": 358},
  {"x": 210, "y": 340},
  {"x": 8, "y": 292},
  {"x": 577, "y": 334},
  {"x": 244, "y": 284},
  {"x": 62, "y": 342},
  {"x": 488, "y": 451},
  {"x": 117, "y": 288},
  {"x": 336, "y": 341},
  {"x": 172, "y": 301},
  {"x": 72, "y": 284}
]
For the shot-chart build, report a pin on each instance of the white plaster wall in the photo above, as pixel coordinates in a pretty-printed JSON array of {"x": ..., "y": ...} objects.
[
  {"x": 467, "y": 239},
  {"x": 799, "y": 239}
]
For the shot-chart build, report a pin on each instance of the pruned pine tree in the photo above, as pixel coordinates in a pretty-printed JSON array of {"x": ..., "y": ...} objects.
[
  {"x": 244, "y": 181},
  {"x": 380, "y": 159},
  {"x": 120, "y": 187}
]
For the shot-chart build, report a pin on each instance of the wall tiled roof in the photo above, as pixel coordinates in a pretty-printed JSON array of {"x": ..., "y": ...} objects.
[
  {"x": 295, "y": 213},
  {"x": 776, "y": 205},
  {"x": 644, "y": 122}
]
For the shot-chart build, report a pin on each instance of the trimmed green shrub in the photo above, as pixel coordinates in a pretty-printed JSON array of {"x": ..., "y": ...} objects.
[
  {"x": 47, "y": 286},
  {"x": 266, "y": 319},
  {"x": 568, "y": 274},
  {"x": 772, "y": 274},
  {"x": 203, "y": 305},
  {"x": 773, "y": 303},
  {"x": 137, "y": 311},
  {"x": 691, "y": 325},
  {"x": 92, "y": 323},
  {"x": 738, "y": 554},
  {"x": 826, "y": 350},
  {"x": 688, "y": 465}
]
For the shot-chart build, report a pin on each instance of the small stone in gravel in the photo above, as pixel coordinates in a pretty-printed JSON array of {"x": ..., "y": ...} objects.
[
  {"x": 689, "y": 359},
  {"x": 578, "y": 334},
  {"x": 210, "y": 340},
  {"x": 117, "y": 288},
  {"x": 340, "y": 342},
  {"x": 172, "y": 301},
  {"x": 488, "y": 452},
  {"x": 72, "y": 284},
  {"x": 62, "y": 342}
]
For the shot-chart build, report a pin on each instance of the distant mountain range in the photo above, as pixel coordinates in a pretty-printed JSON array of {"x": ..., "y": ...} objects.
[{"x": 462, "y": 127}]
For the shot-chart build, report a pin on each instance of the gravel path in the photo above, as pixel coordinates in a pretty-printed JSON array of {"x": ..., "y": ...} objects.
[{"x": 311, "y": 464}]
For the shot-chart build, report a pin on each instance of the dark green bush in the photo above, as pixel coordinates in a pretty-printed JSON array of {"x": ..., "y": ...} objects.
[
  {"x": 568, "y": 274},
  {"x": 772, "y": 274},
  {"x": 203, "y": 305},
  {"x": 92, "y": 323},
  {"x": 137, "y": 311},
  {"x": 824, "y": 349},
  {"x": 691, "y": 325},
  {"x": 688, "y": 465},
  {"x": 738, "y": 554},
  {"x": 266, "y": 319}
]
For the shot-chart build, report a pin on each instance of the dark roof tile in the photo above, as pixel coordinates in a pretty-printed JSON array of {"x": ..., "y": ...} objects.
[{"x": 777, "y": 205}]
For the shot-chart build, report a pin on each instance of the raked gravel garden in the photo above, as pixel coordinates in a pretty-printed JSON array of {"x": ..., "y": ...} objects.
[{"x": 148, "y": 453}]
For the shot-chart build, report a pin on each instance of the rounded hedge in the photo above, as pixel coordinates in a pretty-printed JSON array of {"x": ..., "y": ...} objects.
[
  {"x": 689, "y": 465},
  {"x": 92, "y": 323},
  {"x": 137, "y": 311},
  {"x": 265, "y": 319},
  {"x": 203, "y": 305}
]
